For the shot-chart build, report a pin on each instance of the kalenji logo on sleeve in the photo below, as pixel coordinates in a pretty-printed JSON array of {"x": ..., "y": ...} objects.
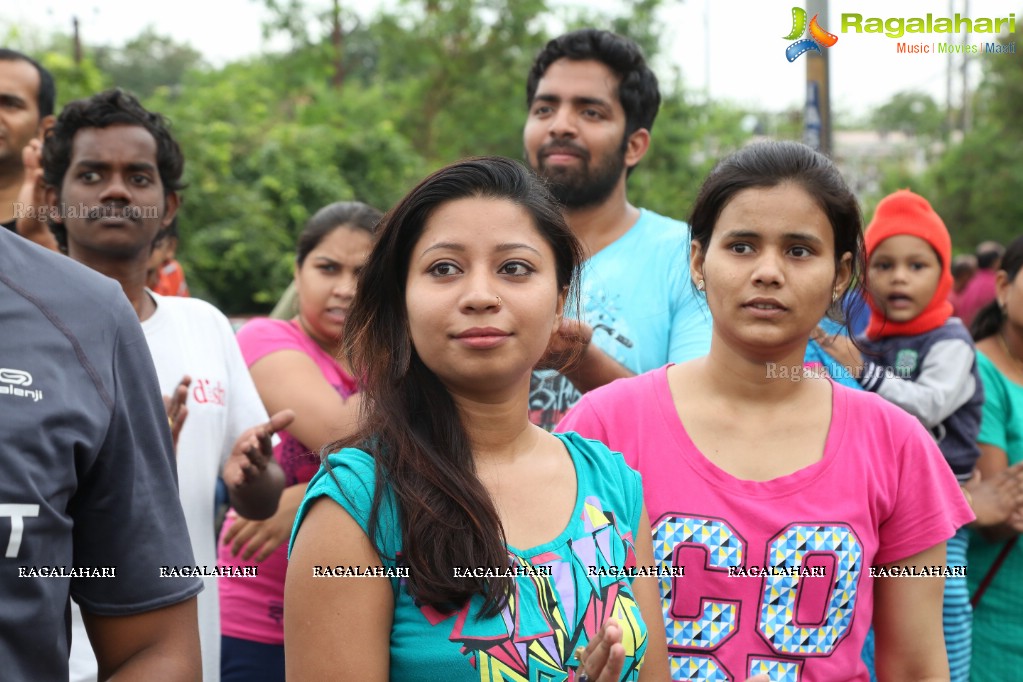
[
  {"x": 13, "y": 381},
  {"x": 818, "y": 36}
]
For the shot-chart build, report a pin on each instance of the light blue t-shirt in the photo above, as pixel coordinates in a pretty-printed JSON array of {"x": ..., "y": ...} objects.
[
  {"x": 637, "y": 295},
  {"x": 535, "y": 637}
]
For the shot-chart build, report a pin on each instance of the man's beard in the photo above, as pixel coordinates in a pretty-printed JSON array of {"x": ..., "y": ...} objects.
[
  {"x": 11, "y": 163},
  {"x": 583, "y": 187}
]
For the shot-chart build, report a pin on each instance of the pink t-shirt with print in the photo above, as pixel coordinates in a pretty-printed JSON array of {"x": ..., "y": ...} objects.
[{"x": 881, "y": 493}]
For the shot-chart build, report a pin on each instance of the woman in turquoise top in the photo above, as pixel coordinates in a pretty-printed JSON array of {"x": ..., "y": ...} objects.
[
  {"x": 502, "y": 552},
  {"x": 998, "y": 616}
]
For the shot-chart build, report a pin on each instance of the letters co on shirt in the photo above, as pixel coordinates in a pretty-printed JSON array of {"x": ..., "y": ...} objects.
[{"x": 826, "y": 560}]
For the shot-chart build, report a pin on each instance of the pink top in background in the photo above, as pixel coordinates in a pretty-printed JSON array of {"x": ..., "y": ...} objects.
[
  {"x": 253, "y": 608},
  {"x": 977, "y": 293}
]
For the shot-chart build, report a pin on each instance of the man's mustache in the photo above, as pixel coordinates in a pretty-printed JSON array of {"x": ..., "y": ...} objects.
[{"x": 563, "y": 148}]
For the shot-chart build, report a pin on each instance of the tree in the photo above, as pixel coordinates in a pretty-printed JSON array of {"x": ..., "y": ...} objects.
[
  {"x": 912, "y": 113},
  {"x": 456, "y": 69},
  {"x": 55, "y": 52},
  {"x": 259, "y": 162},
  {"x": 977, "y": 181},
  {"x": 147, "y": 62},
  {"x": 686, "y": 141},
  {"x": 270, "y": 139}
]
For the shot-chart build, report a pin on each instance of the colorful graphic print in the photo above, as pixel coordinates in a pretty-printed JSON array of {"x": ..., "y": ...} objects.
[
  {"x": 549, "y": 616},
  {"x": 693, "y": 639}
]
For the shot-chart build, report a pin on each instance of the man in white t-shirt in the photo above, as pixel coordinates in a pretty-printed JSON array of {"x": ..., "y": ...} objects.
[
  {"x": 119, "y": 161},
  {"x": 592, "y": 103}
]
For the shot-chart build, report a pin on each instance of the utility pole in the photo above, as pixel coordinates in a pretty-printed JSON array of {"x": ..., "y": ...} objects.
[
  {"x": 817, "y": 122},
  {"x": 337, "y": 41},
  {"x": 964, "y": 115},
  {"x": 706, "y": 49},
  {"x": 949, "y": 116},
  {"x": 76, "y": 41}
]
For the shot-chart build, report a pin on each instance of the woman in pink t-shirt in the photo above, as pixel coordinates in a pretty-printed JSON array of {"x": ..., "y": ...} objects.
[
  {"x": 788, "y": 500},
  {"x": 294, "y": 364}
]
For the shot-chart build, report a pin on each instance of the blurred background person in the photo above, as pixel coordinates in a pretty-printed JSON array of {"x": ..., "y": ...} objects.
[
  {"x": 964, "y": 267},
  {"x": 980, "y": 290},
  {"x": 295, "y": 364},
  {"x": 995, "y": 557},
  {"x": 165, "y": 275}
]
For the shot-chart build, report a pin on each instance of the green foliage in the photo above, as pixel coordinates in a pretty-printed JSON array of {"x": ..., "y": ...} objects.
[
  {"x": 913, "y": 113},
  {"x": 55, "y": 52},
  {"x": 259, "y": 166},
  {"x": 977, "y": 185},
  {"x": 455, "y": 71},
  {"x": 686, "y": 142},
  {"x": 977, "y": 181},
  {"x": 362, "y": 114},
  {"x": 74, "y": 81},
  {"x": 147, "y": 62}
]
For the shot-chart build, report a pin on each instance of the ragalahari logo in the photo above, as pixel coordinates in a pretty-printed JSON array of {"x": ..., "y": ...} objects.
[{"x": 818, "y": 36}]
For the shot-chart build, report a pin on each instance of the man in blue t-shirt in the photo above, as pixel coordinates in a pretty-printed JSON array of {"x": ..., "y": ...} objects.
[{"x": 592, "y": 102}]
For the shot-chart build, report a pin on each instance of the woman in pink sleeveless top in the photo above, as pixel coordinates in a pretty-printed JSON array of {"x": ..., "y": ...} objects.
[{"x": 294, "y": 363}]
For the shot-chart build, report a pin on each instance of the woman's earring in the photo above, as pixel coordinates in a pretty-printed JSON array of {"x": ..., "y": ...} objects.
[{"x": 700, "y": 286}]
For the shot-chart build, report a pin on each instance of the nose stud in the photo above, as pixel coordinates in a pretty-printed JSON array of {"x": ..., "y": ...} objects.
[{"x": 499, "y": 301}]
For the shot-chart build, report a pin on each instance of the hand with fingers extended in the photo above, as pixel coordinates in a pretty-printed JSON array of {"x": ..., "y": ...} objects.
[
  {"x": 258, "y": 539},
  {"x": 567, "y": 346},
  {"x": 841, "y": 348},
  {"x": 32, "y": 221},
  {"x": 253, "y": 477},
  {"x": 174, "y": 404}
]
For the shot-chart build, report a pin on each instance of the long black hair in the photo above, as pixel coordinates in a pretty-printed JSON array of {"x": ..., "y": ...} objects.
[{"x": 410, "y": 423}]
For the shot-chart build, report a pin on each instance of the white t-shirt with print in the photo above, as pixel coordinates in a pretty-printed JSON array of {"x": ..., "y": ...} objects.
[{"x": 189, "y": 336}]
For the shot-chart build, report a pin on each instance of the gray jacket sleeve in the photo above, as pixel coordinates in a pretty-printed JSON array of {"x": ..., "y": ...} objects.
[{"x": 945, "y": 382}]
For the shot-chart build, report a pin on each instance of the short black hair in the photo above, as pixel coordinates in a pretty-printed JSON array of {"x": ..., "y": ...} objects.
[
  {"x": 47, "y": 94},
  {"x": 637, "y": 84},
  {"x": 169, "y": 232},
  {"x": 988, "y": 254},
  {"x": 110, "y": 108}
]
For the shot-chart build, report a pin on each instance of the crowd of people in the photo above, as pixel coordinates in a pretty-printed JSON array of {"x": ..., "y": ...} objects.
[{"x": 521, "y": 428}]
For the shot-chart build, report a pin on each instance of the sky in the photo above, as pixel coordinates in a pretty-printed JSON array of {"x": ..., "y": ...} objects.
[{"x": 725, "y": 49}]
